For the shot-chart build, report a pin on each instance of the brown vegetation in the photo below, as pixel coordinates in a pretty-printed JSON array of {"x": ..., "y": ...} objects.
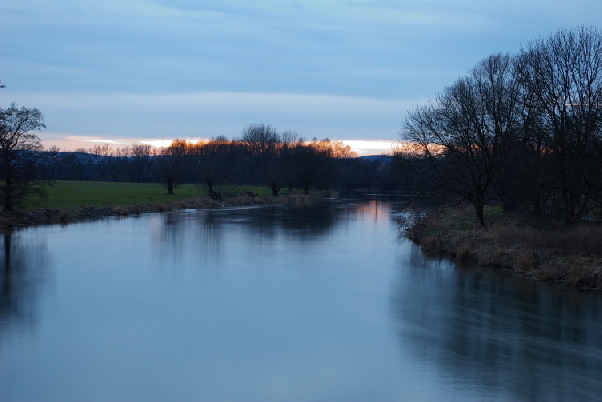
[{"x": 547, "y": 251}]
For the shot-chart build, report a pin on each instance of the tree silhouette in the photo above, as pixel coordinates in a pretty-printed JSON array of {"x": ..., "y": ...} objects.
[{"x": 19, "y": 154}]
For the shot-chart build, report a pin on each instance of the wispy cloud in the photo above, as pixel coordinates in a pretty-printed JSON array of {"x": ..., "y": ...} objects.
[
  {"x": 346, "y": 69},
  {"x": 371, "y": 49},
  {"x": 209, "y": 114}
]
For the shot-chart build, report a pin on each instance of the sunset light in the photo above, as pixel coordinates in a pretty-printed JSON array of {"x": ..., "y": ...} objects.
[{"x": 71, "y": 143}]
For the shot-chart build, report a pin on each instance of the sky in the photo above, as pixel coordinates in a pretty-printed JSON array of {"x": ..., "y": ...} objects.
[{"x": 124, "y": 72}]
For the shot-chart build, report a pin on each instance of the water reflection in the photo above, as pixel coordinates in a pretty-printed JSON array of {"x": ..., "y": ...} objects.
[
  {"x": 298, "y": 222},
  {"x": 22, "y": 273},
  {"x": 302, "y": 223},
  {"x": 203, "y": 238},
  {"x": 280, "y": 303},
  {"x": 483, "y": 329}
]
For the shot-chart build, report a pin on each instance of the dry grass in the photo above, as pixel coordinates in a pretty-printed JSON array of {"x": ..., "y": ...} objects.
[
  {"x": 582, "y": 240},
  {"x": 121, "y": 211},
  {"x": 542, "y": 251}
]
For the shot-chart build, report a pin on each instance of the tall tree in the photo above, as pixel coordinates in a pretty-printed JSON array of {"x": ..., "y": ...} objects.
[
  {"x": 53, "y": 162},
  {"x": 265, "y": 145},
  {"x": 142, "y": 157},
  {"x": 312, "y": 164},
  {"x": 460, "y": 134},
  {"x": 20, "y": 151},
  {"x": 102, "y": 155},
  {"x": 171, "y": 164},
  {"x": 215, "y": 160},
  {"x": 120, "y": 165},
  {"x": 563, "y": 75}
]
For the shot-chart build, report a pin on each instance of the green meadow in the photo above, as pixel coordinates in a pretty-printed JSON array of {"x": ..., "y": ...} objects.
[{"x": 65, "y": 194}]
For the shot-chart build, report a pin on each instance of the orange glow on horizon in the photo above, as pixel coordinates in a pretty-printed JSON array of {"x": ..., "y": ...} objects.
[{"x": 71, "y": 143}]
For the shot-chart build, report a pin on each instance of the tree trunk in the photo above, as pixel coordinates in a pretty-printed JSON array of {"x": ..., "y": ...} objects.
[
  {"x": 170, "y": 186},
  {"x": 306, "y": 188},
  {"x": 479, "y": 208},
  {"x": 8, "y": 199}
]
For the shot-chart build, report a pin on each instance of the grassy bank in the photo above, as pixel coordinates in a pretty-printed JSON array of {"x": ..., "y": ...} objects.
[
  {"x": 71, "y": 201},
  {"x": 541, "y": 250},
  {"x": 68, "y": 194}
]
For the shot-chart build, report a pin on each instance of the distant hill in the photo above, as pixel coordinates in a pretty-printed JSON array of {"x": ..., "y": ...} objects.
[{"x": 380, "y": 158}]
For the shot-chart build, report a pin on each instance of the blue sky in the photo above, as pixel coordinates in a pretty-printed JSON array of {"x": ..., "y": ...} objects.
[{"x": 129, "y": 71}]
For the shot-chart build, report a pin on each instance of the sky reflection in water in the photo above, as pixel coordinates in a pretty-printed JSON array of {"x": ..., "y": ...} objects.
[{"x": 308, "y": 303}]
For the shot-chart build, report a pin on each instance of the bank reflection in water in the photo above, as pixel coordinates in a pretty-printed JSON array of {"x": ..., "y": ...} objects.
[
  {"x": 206, "y": 227},
  {"x": 23, "y": 271},
  {"x": 485, "y": 329},
  {"x": 203, "y": 238}
]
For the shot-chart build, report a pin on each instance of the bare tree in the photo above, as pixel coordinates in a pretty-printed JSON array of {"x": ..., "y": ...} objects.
[
  {"x": 19, "y": 154},
  {"x": 171, "y": 164},
  {"x": 142, "y": 156},
  {"x": 261, "y": 139},
  {"x": 102, "y": 154},
  {"x": 265, "y": 145},
  {"x": 563, "y": 76},
  {"x": 53, "y": 162},
  {"x": 460, "y": 133},
  {"x": 215, "y": 161},
  {"x": 119, "y": 165},
  {"x": 312, "y": 164}
]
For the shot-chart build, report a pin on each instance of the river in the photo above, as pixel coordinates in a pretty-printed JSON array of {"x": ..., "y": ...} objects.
[{"x": 316, "y": 303}]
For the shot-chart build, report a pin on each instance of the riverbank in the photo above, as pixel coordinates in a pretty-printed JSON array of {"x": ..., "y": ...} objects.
[
  {"x": 47, "y": 216},
  {"x": 537, "y": 249}
]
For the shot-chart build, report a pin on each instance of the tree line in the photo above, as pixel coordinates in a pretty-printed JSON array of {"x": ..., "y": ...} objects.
[
  {"x": 523, "y": 130},
  {"x": 262, "y": 156}
]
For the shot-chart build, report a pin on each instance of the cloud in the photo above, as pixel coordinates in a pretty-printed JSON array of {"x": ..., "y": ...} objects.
[
  {"x": 350, "y": 69},
  {"x": 372, "y": 49},
  {"x": 209, "y": 114},
  {"x": 106, "y": 141},
  {"x": 371, "y": 147}
]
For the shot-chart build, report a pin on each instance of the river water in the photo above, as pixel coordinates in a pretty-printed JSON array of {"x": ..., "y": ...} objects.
[{"x": 325, "y": 302}]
